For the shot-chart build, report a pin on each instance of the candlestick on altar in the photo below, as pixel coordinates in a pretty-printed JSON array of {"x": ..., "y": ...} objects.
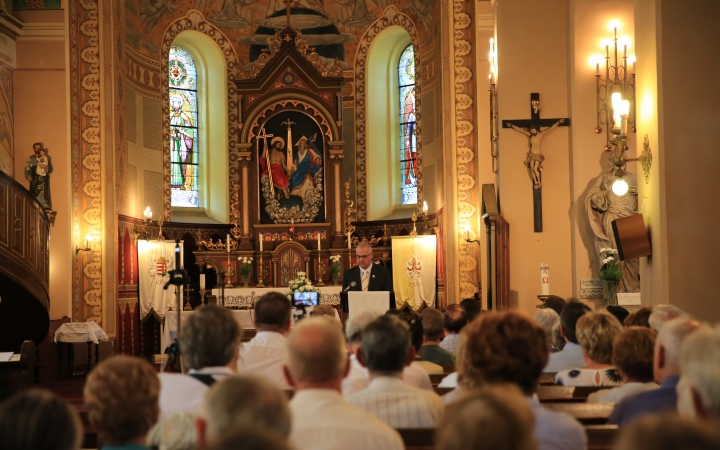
[
  {"x": 261, "y": 272},
  {"x": 349, "y": 240},
  {"x": 202, "y": 295},
  {"x": 318, "y": 239},
  {"x": 414, "y": 230},
  {"x": 321, "y": 271},
  {"x": 229, "y": 272},
  {"x": 227, "y": 241},
  {"x": 261, "y": 242}
]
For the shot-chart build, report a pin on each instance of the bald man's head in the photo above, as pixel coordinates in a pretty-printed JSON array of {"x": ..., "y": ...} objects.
[{"x": 317, "y": 352}]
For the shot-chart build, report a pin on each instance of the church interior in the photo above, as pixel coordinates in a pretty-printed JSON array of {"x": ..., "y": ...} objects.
[{"x": 503, "y": 150}]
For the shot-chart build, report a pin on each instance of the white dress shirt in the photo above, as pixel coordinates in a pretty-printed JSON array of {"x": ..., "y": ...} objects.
[
  {"x": 399, "y": 405},
  {"x": 183, "y": 393},
  {"x": 323, "y": 420},
  {"x": 556, "y": 430},
  {"x": 451, "y": 343},
  {"x": 614, "y": 395},
  {"x": 571, "y": 357},
  {"x": 358, "y": 378},
  {"x": 264, "y": 356}
]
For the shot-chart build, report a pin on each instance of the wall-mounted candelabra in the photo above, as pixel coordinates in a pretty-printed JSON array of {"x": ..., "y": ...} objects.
[{"x": 494, "y": 130}]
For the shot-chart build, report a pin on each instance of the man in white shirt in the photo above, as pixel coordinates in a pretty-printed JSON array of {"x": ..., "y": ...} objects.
[
  {"x": 455, "y": 320},
  {"x": 359, "y": 378},
  {"x": 321, "y": 418},
  {"x": 385, "y": 351},
  {"x": 571, "y": 356},
  {"x": 266, "y": 354},
  {"x": 209, "y": 340}
]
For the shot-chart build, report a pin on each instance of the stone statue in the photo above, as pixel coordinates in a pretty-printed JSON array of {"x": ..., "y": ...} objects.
[
  {"x": 37, "y": 172},
  {"x": 534, "y": 157},
  {"x": 603, "y": 206}
]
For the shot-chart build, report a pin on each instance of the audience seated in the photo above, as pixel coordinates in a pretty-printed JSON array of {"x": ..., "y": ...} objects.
[
  {"x": 571, "y": 355},
  {"x": 416, "y": 335},
  {"x": 38, "y": 420},
  {"x": 326, "y": 310},
  {"x": 265, "y": 354},
  {"x": 491, "y": 418},
  {"x": 209, "y": 340},
  {"x": 321, "y": 418},
  {"x": 359, "y": 378},
  {"x": 385, "y": 351},
  {"x": 433, "y": 323},
  {"x": 668, "y": 432},
  {"x": 238, "y": 402},
  {"x": 508, "y": 347},
  {"x": 640, "y": 318},
  {"x": 699, "y": 386},
  {"x": 472, "y": 308},
  {"x": 619, "y": 312},
  {"x": 632, "y": 357},
  {"x": 666, "y": 371},
  {"x": 549, "y": 320},
  {"x": 555, "y": 303},
  {"x": 121, "y": 396},
  {"x": 250, "y": 439},
  {"x": 596, "y": 332},
  {"x": 664, "y": 313},
  {"x": 174, "y": 432},
  {"x": 455, "y": 320},
  {"x": 629, "y": 320}
]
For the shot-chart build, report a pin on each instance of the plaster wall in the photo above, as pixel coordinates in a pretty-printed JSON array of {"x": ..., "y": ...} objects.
[
  {"x": 533, "y": 57},
  {"x": 41, "y": 115}
]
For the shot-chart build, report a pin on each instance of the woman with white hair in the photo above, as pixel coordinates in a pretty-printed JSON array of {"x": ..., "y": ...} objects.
[{"x": 550, "y": 321}]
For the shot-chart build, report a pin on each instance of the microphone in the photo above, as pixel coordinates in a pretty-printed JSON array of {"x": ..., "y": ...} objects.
[{"x": 352, "y": 285}]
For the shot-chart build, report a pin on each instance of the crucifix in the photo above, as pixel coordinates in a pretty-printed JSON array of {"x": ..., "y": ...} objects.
[
  {"x": 290, "y": 164},
  {"x": 288, "y": 4},
  {"x": 533, "y": 130}
]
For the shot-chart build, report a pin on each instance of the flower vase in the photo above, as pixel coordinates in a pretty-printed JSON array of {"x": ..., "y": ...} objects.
[
  {"x": 245, "y": 281},
  {"x": 334, "y": 278},
  {"x": 610, "y": 293}
]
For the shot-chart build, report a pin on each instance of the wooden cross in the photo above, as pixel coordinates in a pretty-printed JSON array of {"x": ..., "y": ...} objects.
[
  {"x": 533, "y": 130},
  {"x": 288, "y": 4},
  {"x": 264, "y": 136}
]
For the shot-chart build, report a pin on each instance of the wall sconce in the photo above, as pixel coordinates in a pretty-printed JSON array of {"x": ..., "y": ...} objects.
[
  {"x": 148, "y": 215},
  {"x": 494, "y": 132},
  {"x": 88, "y": 238},
  {"x": 617, "y": 84},
  {"x": 467, "y": 235}
]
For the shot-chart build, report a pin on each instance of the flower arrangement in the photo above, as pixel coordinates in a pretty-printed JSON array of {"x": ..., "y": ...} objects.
[
  {"x": 300, "y": 283},
  {"x": 335, "y": 267},
  {"x": 610, "y": 269},
  {"x": 245, "y": 265}
]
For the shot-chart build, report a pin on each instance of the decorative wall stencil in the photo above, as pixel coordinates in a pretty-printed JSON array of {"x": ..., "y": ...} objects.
[
  {"x": 391, "y": 16},
  {"x": 194, "y": 20}
]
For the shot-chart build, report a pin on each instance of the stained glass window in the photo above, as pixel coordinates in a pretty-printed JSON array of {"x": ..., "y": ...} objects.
[
  {"x": 408, "y": 163},
  {"x": 182, "y": 79}
]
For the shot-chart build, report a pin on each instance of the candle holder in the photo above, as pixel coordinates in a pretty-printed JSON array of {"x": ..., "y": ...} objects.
[
  {"x": 321, "y": 271},
  {"x": 229, "y": 273},
  {"x": 202, "y": 296},
  {"x": 262, "y": 271},
  {"x": 414, "y": 230}
]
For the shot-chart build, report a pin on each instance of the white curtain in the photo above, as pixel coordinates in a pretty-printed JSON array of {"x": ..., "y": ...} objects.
[{"x": 155, "y": 260}]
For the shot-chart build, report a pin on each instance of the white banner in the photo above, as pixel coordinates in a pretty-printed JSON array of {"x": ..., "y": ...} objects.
[
  {"x": 414, "y": 270},
  {"x": 155, "y": 260}
]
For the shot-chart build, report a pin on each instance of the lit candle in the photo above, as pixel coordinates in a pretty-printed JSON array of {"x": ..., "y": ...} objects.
[
  {"x": 597, "y": 68},
  {"x": 261, "y": 239},
  {"x": 202, "y": 281},
  {"x": 318, "y": 237},
  {"x": 228, "y": 243},
  {"x": 349, "y": 241},
  {"x": 544, "y": 279},
  {"x": 425, "y": 207}
]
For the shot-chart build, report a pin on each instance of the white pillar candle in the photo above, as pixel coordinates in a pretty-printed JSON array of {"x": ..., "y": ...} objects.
[
  {"x": 318, "y": 239},
  {"x": 544, "y": 279},
  {"x": 227, "y": 240},
  {"x": 349, "y": 241},
  {"x": 202, "y": 281},
  {"x": 261, "y": 239}
]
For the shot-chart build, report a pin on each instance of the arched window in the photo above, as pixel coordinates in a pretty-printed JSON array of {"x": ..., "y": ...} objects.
[
  {"x": 184, "y": 136},
  {"x": 408, "y": 164}
]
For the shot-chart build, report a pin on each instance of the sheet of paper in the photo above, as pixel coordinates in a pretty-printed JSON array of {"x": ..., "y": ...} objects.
[
  {"x": 5, "y": 356},
  {"x": 359, "y": 302},
  {"x": 625, "y": 299}
]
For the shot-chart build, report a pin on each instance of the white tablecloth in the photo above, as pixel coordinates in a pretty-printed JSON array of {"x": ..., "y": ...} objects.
[
  {"x": 170, "y": 327},
  {"x": 246, "y": 297},
  {"x": 80, "y": 332}
]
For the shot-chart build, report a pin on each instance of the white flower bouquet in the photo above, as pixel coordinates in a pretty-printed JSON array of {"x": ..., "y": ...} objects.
[
  {"x": 245, "y": 265},
  {"x": 300, "y": 283},
  {"x": 335, "y": 266},
  {"x": 610, "y": 265}
]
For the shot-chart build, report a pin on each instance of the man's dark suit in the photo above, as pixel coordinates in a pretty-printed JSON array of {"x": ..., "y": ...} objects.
[{"x": 380, "y": 279}]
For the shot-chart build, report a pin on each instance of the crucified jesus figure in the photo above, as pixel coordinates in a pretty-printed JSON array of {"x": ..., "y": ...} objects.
[{"x": 534, "y": 158}]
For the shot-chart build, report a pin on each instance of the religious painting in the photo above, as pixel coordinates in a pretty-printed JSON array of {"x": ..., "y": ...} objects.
[
  {"x": 19, "y": 5},
  {"x": 291, "y": 167},
  {"x": 182, "y": 78}
]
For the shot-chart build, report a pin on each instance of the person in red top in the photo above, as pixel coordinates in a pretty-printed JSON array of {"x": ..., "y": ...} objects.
[{"x": 278, "y": 166}]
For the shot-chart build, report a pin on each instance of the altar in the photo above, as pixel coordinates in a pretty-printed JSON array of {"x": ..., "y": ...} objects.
[{"x": 245, "y": 298}]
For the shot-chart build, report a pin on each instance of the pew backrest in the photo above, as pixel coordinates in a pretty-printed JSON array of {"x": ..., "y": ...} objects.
[
  {"x": 418, "y": 438},
  {"x": 585, "y": 413},
  {"x": 566, "y": 393}
]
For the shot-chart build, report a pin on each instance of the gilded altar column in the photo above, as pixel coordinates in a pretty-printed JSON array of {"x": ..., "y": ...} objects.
[
  {"x": 244, "y": 157},
  {"x": 336, "y": 155}
]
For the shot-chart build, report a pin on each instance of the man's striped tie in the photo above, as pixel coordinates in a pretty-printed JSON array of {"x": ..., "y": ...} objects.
[{"x": 365, "y": 282}]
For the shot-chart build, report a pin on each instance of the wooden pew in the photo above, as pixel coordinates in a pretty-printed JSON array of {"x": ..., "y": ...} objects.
[
  {"x": 547, "y": 378},
  {"x": 436, "y": 378},
  {"x": 601, "y": 437},
  {"x": 566, "y": 393},
  {"x": 18, "y": 374},
  {"x": 585, "y": 413},
  {"x": 442, "y": 391},
  {"x": 418, "y": 438}
]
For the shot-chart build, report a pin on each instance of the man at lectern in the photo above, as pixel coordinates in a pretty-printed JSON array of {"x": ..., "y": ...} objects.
[{"x": 367, "y": 276}]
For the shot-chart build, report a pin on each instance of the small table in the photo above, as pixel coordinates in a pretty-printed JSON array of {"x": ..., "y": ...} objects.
[{"x": 73, "y": 332}]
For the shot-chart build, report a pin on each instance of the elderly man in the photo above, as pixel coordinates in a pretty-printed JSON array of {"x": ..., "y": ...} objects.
[
  {"x": 265, "y": 354},
  {"x": 664, "y": 313},
  {"x": 699, "y": 386},
  {"x": 322, "y": 419},
  {"x": 209, "y": 341},
  {"x": 241, "y": 402},
  {"x": 571, "y": 356},
  {"x": 433, "y": 323},
  {"x": 666, "y": 370},
  {"x": 358, "y": 378},
  {"x": 385, "y": 351},
  {"x": 366, "y": 275}
]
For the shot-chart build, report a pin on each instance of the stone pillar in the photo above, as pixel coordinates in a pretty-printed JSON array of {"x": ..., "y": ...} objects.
[{"x": 336, "y": 155}]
